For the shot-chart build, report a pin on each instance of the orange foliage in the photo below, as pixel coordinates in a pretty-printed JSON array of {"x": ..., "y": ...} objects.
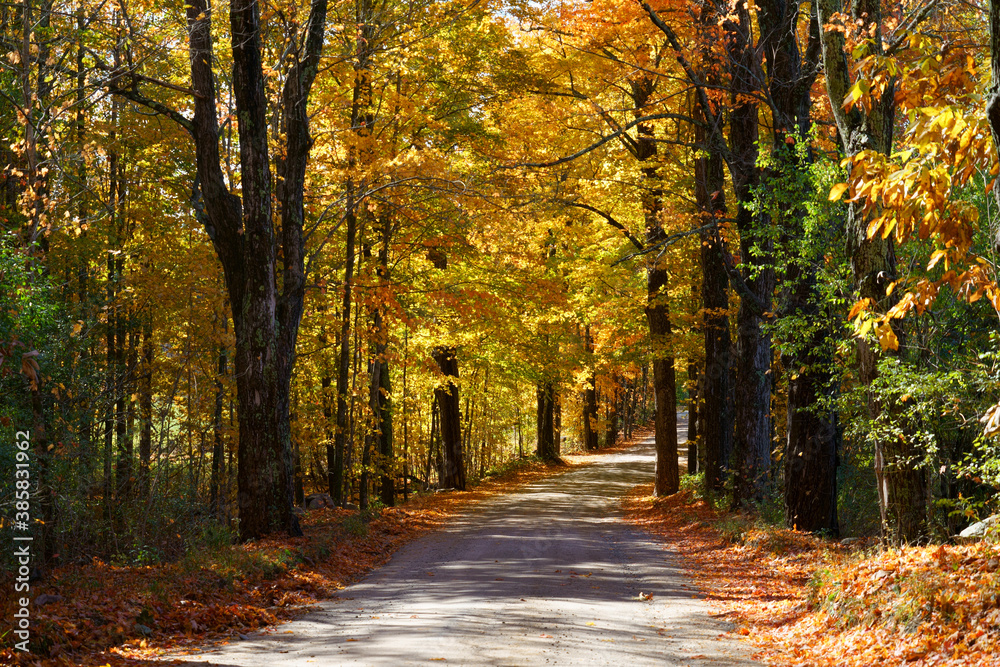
[
  {"x": 192, "y": 601},
  {"x": 803, "y": 601}
]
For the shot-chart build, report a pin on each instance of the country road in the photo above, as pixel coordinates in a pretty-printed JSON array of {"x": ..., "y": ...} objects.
[{"x": 549, "y": 575}]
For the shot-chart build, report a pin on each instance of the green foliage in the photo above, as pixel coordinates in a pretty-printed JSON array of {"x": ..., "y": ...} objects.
[
  {"x": 693, "y": 483},
  {"x": 355, "y": 525},
  {"x": 511, "y": 466}
]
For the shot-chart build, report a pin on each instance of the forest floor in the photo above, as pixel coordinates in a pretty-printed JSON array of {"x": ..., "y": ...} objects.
[
  {"x": 126, "y": 615},
  {"x": 805, "y": 601}
]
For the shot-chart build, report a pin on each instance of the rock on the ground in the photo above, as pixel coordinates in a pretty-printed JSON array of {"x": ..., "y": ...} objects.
[
  {"x": 45, "y": 599},
  {"x": 316, "y": 501},
  {"x": 979, "y": 530}
]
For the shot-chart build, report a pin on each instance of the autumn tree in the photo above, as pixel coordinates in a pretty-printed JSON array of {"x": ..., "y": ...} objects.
[{"x": 265, "y": 314}]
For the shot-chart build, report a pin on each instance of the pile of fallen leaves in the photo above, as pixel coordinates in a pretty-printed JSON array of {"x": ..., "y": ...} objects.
[
  {"x": 805, "y": 601},
  {"x": 102, "y": 613}
]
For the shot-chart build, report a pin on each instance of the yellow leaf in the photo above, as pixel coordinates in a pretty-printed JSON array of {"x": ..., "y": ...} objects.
[
  {"x": 886, "y": 336},
  {"x": 936, "y": 257},
  {"x": 858, "y": 308},
  {"x": 864, "y": 328},
  {"x": 837, "y": 191}
]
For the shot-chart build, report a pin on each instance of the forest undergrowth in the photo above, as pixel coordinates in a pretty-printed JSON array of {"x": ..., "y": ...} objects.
[
  {"x": 803, "y": 600},
  {"x": 128, "y": 615}
]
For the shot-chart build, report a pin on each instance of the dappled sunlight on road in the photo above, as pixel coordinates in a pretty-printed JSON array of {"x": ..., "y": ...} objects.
[{"x": 546, "y": 575}]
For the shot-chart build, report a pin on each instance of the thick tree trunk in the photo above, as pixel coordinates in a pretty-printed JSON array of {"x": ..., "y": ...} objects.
[
  {"x": 667, "y": 477},
  {"x": 716, "y": 433},
  {"x": 546, "y": 446},
  {"x": 218, "y": 449},
  {"x": 898, "y": 471},
  {"x": 692, "y": 431},
  {"x": 752, "y": 442},
  {"x": 291, "y": 167},
  {"x": 589, "y": 412},
  {"x": 243, "y": 235},
  {"x": 813, "y": 436},
  {"x": 812, "y": 432},
  {"x": 453, "y": 462}
]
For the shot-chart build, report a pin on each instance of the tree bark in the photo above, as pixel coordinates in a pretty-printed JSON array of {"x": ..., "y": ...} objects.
[
  {"x": 613, "y": 401},
  {"x": 242, "y": 232},
  {"x": 667, "y": 476},
  {"x": 716, "y": 434},
  {"x": 546, "y": 446},
  {"x": 291, "y": 166},
  {"x": 556, "y": 423},
  {"x": 218, "y": 448},
  {"x": 692, "y": 432},
  {"x": 898, "y": 471},
  {"x": 589, "y": 399},
  {"x": 812, "y": 433},
  {"x": 453, "y": 463},
  {"x": 752, "y": 442}
]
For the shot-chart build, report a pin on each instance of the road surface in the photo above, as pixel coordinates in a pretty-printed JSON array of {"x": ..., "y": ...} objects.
[{"x": 549, "y": 575}]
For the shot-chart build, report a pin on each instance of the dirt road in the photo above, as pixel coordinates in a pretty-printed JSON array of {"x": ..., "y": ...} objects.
[{"x": 546, "y": 576}]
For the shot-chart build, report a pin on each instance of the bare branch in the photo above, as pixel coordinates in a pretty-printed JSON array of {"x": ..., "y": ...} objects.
[
  {"x": 610, "y": 220},
  {"x": 602, "y": 141}
]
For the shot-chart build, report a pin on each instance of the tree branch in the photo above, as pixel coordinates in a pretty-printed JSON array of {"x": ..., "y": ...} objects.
[
  {"x": 607, "y": 217},
  {"x": 904, "y": 32},
  {"x": 602, "y": 141}
]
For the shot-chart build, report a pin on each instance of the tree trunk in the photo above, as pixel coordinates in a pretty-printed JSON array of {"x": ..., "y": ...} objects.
[
  {"x": 613, "y": 413},
  {"x": 383, "y": 407},
  {"x": 667, "y": 477},
  {"x": 242, "y": 232},
  {"x": 146, "y": 407},
  {"x": 291, "y": 165},
  {"x": 812, "y": 432},
  {"x": 752, "y": 443},
  {"x": 451, "y": 419},
  {"x": 813, "y": 435},
  {"x": 692, "y": 434},
  {"x": 716, "y": 434},
  {"x": 405, "y": 404},
  {"x": 590, "y": 399},
  {"x": 218, "y": 449},
  {"x": 898, "y": 468},
  {"x": 556, "y": 423},
  {"x": 546, "y": 446}
]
